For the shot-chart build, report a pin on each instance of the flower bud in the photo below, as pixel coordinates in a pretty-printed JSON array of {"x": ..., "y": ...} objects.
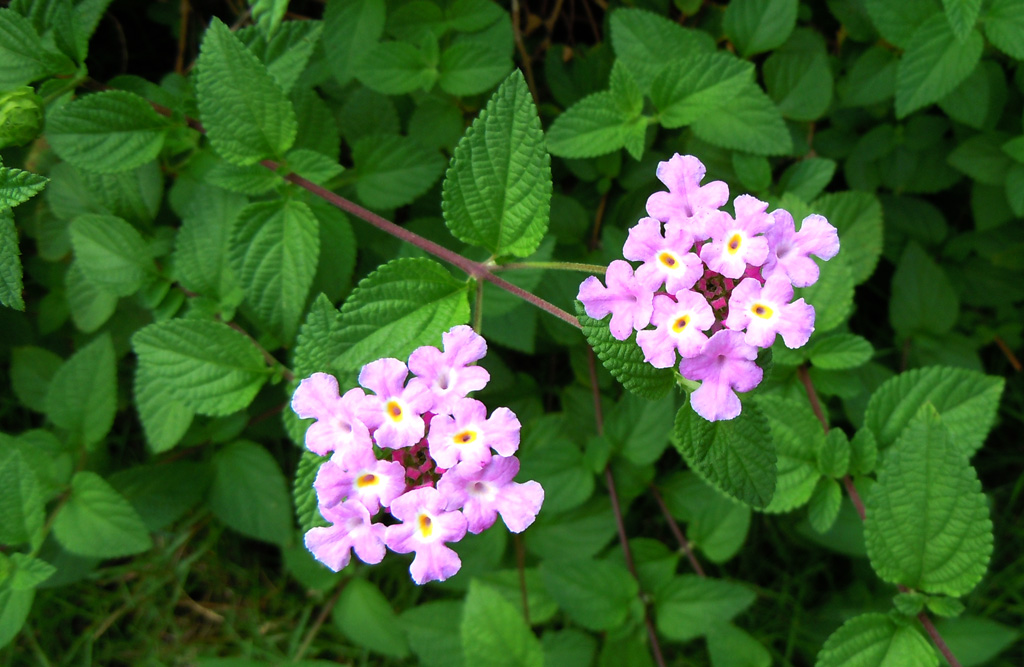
[{"x": 21, "y": 116}]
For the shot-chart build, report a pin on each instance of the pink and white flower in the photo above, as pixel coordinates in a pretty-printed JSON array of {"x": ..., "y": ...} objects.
[
  {"x": 483, "y": 493},
  {"x": 426, "y": 526}
]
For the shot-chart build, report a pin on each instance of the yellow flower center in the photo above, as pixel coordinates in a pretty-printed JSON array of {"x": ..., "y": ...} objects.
[
  {"x": 369, "y": 479},
  {"x": 734, "y": 243},
  {"x": 680, "y": 324},
  {"x": 668, "y": 259},
  {"x": 762, "y": 311},
  {"x": 394, "y": 411},
  {"x": 465, "y": 437},
  {"x": 426, "y": 525}
]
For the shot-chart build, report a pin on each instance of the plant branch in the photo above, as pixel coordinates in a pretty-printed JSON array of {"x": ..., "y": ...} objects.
[
  {"x": 937, "y": 639},
  {"x": 684, "y": 544},
  {"x": 475, "y": 269},
  {"x": 620, "y": 525},
  {"x": 557, "y": 266},
  {"x": 812, "y": 396},
  {"x": 318, "y": 622}
]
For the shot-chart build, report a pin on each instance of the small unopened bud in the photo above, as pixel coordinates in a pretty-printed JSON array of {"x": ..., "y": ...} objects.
[{"x": 21, "y": 116}]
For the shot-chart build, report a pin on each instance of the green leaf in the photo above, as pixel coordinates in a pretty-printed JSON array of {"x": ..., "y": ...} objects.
[
  {"x": 497, "y": 191},
  {"x": 164, "y": 419},
  {"x": 624, "y": 359},
  {"x": 975, "y": 640},
  {"x": 978, "y": 97},
  {"x": 897, "y": 21},
  {"x": 82, "y": 396},
  {"x": 863, "y": 452},
  {"x": 11, "y": 284},
  {"x": 715, "y": 524},
  {"x": 756, "y": 26},
  {"x": 90, "y": 306},
  {"x": 32, "y": 369},
  {"x": 286, "y": 52},
  {"x": 871, "y": 79},
  {"x": 807, "y": 178},
  {"x": 696, "y": 84},
  {"x": 268, "y": 14},
  {"x": 163, "y": 493},
  {"x": 494, "y": 633},
  {"x": 246, "y": 114},
  {"x": 206, "y": 366},
  {"x": 798, "y": 438},
  {"x": 21, "y": 503},
  {"x": 578, "y": 533},
  {"x": 434, "y": 633},
  {"x": 841, "y": 351},
  {"x": 23, "y": 56},
  {"x": 923, "y": 299},
  {"x": 640, "y": 429},
  {"x": 319, "y": 338},
  {"x": 402, "y": 305},
  {"x": 98, "y": 522},
  {"x": 834, "y": 454},
  {"x": 1004, "y": 27},
  {"x": 14, "y": 607},
  {"x": 365, "y": 616},
  {"x": 875, "y": 640},
  {"x": 593, "y": 126},
  {"x": 351, "y": 29},
  {"x": 858, "y": 218},
  {"x": 945, "y": 607},
  {"x": 596, "y": 594},
  {"x": 313, "y": 165},
  {"x": 832, "y": 295},
  {"x": 731, "y": 646},
  {"x": 393, "y": 171},
  {"x": 934, "y": 64},
  {"x": 201, "y": 253},
  {"x": 29, "y": 572},
  {"x": 304, "y": 496},
  {"x": 249, "y": 493},
  {"x": 824, "y": 504},
  {"x": 107, "y": 132},
  {"x": 274, "y": 250},
  {"x": 909, "y": 603},
  {"x": 470, "y": 69},
  {"x": 798, "y": 76},
  {"x": 982, "y": 157},
  {"x": 967, "y": 401},
  {"x": 396, "y": 68},
  {"x": 927, "y": 524},
  {"x": 110, "y": 253},
  {"x": 557, "y": 463},
  {"x": 748, "y": 121},
  {"x": 690, "y": 606},
  {"x": 962, "y": 15},
  {"x": 646, "y": 42},
  {"x": 17, "y": 186},
  {"x": 736, "y": 457},
  {"x": 753, "y": 171}
]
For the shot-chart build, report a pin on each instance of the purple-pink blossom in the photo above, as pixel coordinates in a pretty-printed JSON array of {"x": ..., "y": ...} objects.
[
  {"x": 448, "y": 374},
  {"x": 666, "y": 258},
  {"x": 736, "y": 242},
  {"x": 351, "y": 529},
  {"x": 629, "y": 302},
  {"x": 426, "y": 526},
  {"x": 483, "y": 493},
  {"x": 395, "y": 409},
  {"x": 468, "y": 434},
  {"x": 686, "y": 198},
  {"x": 681, "y": 321},
  {"x": 767, "y": 311},
  {"x": 361, "y": 476},
  {"x": 725, "y": 366},
  {"x": 337, "y": 428},
  {"x": 790, "y": 250}
]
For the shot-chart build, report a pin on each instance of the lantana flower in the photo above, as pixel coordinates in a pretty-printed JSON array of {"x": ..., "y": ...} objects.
[
  {"x": 426, "y": 526},
  {"x": 418, "y": 449},
  {"x": 709, "y": 273}
]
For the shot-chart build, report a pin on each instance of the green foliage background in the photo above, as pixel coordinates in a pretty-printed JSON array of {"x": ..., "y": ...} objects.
[{"x": 171, "y": 268}]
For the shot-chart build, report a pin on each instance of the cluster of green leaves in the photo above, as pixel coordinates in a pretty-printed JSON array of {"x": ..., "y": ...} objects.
[{"x": 177, "y": 277}]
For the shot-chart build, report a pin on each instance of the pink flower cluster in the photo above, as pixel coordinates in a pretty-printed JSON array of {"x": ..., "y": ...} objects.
[
  {"x": 716, "y": 287},
  {"x": 421, "y": 450}
]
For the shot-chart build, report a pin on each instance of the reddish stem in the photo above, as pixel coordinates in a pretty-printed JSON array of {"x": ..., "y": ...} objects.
[{"x": 684, "y": 544}]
